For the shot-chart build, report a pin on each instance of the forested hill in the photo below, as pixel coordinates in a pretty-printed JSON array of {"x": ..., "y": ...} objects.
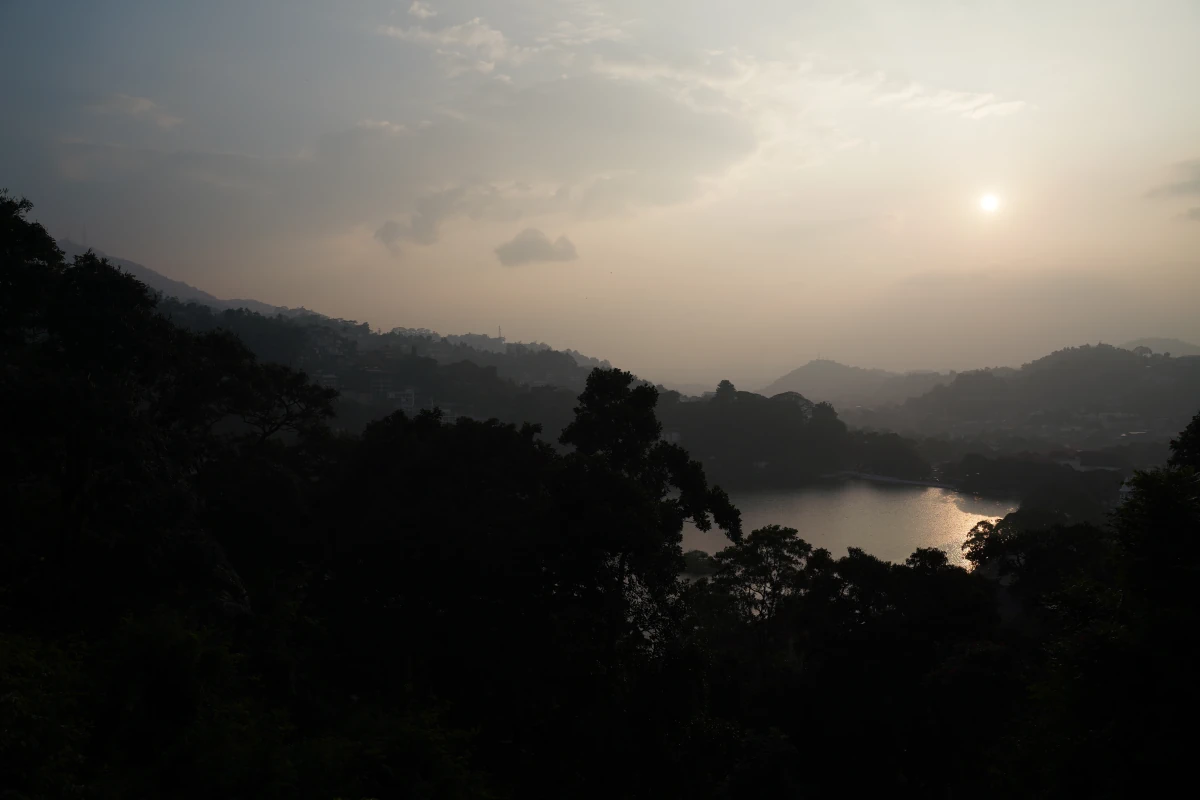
[
  {"x": 1090, "y": 395},
  {"x": 1135, "y": 383},
  {"x": 481, "y": 349},
  {"x": 411, "y": 369}
]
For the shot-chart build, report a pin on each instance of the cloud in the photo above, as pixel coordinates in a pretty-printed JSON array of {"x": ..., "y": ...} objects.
[
  {"x": 971, "y": 105},
  {"x": 473, "y": 44},
  {"x": 421, "y": 10},
  {"x": 583, "y": 146},
  {"x": 803, "y": 110},
  {"x": 1187, "y": 183},
  {"x": 531, "y": 245},
  {"x": 383, "y": 125},
  {"x": 390, "y": 233},
  {"x": 610, "y": 134},
  {"x": 571, "y": 23},
  {"x": 477, "y": 46},
  {"x": 425, "y": 220},
  {"x": 997, "y": 109},
  {"x": 140, "y": 108},
  {"x": 739, "y": 81}
]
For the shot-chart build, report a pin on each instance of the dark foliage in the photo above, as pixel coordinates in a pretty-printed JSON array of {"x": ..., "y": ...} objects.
[
  {"x": 1093, "y": 396},
  {"x": 742, "y": 439},
  {"x": 1185, "y": 451},
  {"x": 206, "y": 591}
]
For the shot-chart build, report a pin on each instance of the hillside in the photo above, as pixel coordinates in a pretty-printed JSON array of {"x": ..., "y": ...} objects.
[
  {"x": 178, "y": 289},
  {"x": 825, "y": 380},
  {"x": 535, "y": 363},
  {"x": 832, "y": 382},
  {"x": 1091, "y": 395}
]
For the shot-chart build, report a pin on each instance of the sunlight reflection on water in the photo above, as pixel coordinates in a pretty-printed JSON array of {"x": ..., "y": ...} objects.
[{"x": 886, "y": 520}]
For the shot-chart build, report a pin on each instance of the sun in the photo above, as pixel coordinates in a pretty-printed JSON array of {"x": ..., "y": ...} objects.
[{"x": 989, "y": 203}]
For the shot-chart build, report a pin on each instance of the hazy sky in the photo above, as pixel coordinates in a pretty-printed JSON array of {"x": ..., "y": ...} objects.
[{"x": 690, "y": 188}]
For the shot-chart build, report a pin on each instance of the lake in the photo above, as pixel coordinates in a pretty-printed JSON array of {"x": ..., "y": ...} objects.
[{"x": 886, "y": 520}]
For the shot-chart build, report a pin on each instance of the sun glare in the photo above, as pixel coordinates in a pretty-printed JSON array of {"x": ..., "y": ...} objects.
[{"x": 989, "y": 203}]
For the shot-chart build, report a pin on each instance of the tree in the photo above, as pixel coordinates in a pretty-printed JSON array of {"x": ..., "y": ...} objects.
[
  {"x": 1158, "y": 533},
  {"x": 726, "y": 392},
  {"x": 764, "y": 570},
  {"x": 651, "y": 487},
  {"x": 698, "y": 562},
  {"x": 1185, "y": 450}
]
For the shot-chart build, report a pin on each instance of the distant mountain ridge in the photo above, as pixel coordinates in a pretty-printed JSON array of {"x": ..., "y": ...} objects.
[{"x": 824, "y": 380}]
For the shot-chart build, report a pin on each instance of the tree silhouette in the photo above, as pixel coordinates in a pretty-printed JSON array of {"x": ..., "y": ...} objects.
[
  {"x": 764, "y": 570},
  {"x": 726, "y": 392},
  {"x": 1185, "y": 450}
]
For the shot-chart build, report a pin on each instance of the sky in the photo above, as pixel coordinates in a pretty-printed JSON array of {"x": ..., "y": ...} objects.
[{"x": 693, "y": 190}]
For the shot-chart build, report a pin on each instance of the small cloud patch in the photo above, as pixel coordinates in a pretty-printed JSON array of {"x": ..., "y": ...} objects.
[
  {"x": 1184, "y": 187},
  {"x": 1186, "y": 183},
  {"x": 421, "y": 10},
  {"x": 389, "y": 234},
  {"x": 139, "y": 107},
  {"x": 531, "y": 245}
]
